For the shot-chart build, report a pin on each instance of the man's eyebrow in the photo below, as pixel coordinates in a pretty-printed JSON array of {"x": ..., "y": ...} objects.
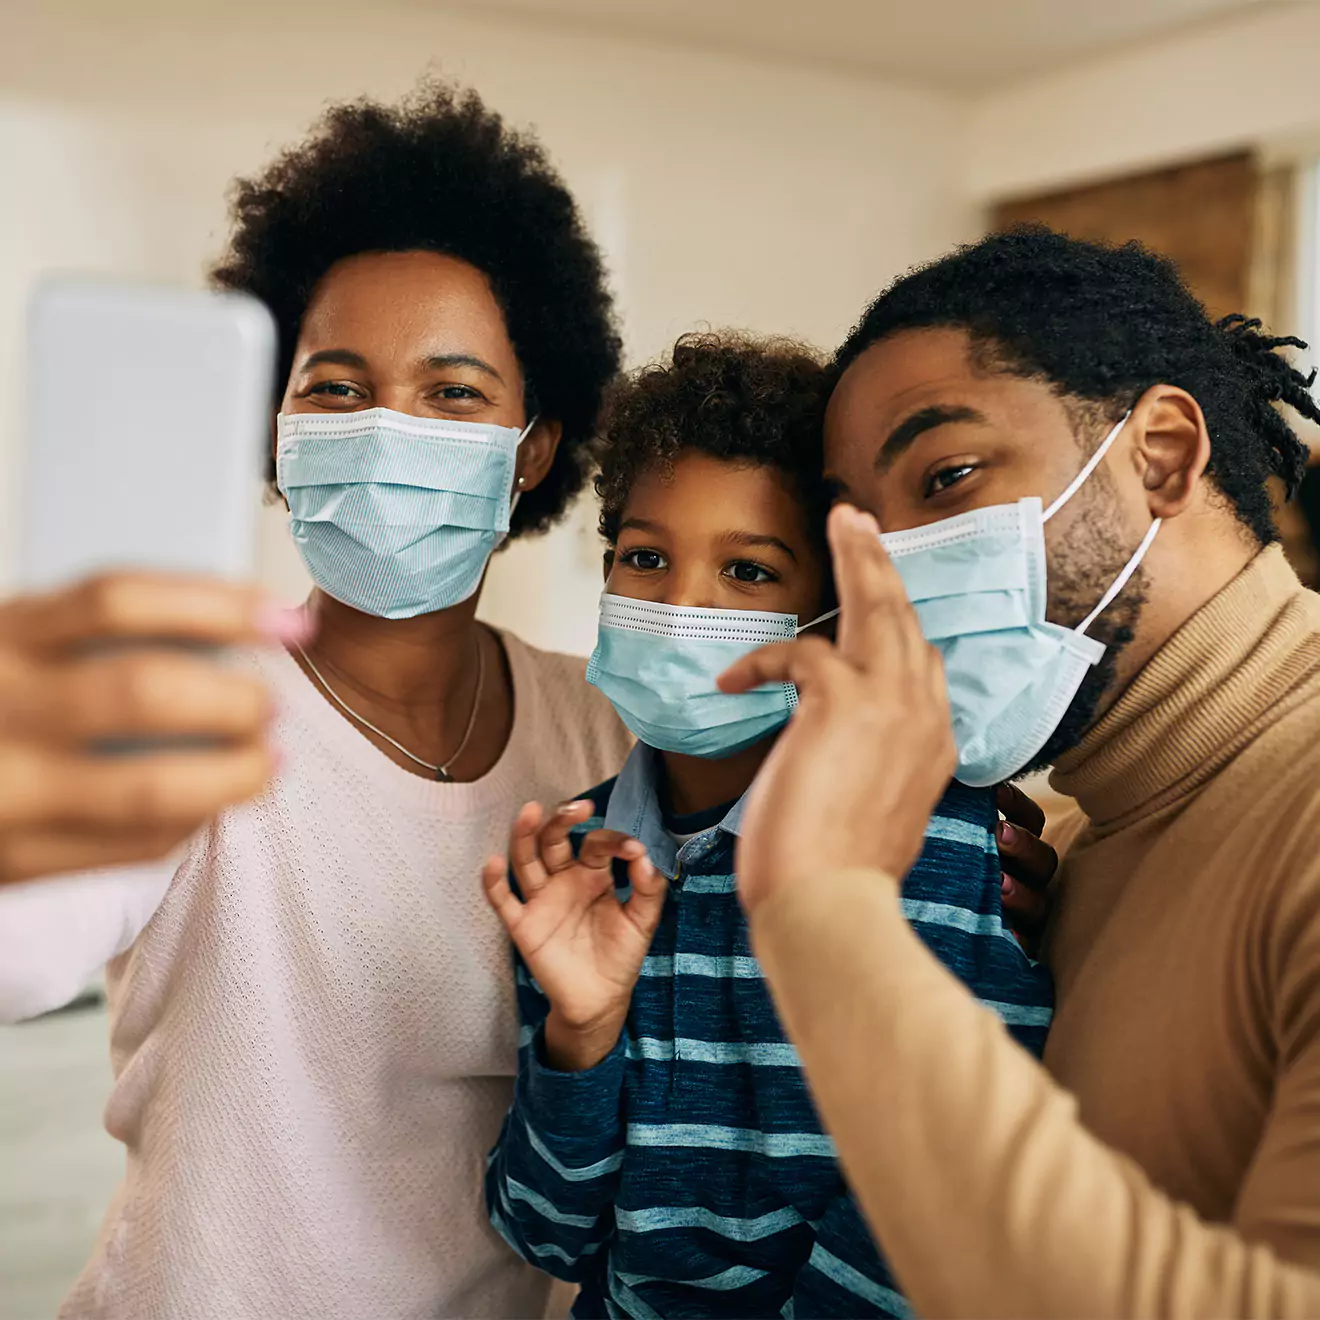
[
  {"x": 751, "y": 541},
  {"x": 443, "y": 360},
  {"x": 925, "y": 419},
  {"x": 338, "y": 357}
]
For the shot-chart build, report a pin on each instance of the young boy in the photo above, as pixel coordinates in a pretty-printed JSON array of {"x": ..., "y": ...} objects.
[{"x": 662, "y": 1150}]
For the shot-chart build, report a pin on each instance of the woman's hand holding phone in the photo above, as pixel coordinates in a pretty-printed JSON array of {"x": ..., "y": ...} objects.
[
  {"x": 584, "y": 947},
  {"x": 122, "y": 658}
]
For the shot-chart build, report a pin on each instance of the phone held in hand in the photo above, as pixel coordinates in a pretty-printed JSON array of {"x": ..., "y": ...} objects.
[{"x": 147, "y": 419}]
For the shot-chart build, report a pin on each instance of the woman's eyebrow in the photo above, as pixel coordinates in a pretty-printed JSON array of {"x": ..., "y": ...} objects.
[
  {"x": 337, "y": 357},
  {"x": 443, "y": 360},
  {"x": 752, "y": 541}
]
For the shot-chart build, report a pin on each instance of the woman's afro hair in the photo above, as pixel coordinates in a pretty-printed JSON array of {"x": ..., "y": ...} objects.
[{"x": 441, "y": 173}]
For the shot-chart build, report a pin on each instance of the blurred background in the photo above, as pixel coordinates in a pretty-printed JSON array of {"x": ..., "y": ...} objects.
[{"x": 759, "y": 163}]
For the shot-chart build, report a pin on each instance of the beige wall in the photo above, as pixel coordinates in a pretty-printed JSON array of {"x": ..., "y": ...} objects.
[
  {"x": 1247, "y": 81},
  {"x": 723, "y": 190}
]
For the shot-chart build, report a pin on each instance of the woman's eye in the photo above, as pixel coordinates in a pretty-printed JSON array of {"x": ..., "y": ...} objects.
[
  {"x": 646, "y": 561},
  {"x": 458, "y": 392},
  {"x": 947, "y": 477},
  {"x": 749, "y": 572},
  {"x": 339, "y": 389}
]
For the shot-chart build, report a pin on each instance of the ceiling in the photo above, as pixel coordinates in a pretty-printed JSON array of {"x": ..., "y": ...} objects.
[{"x": 956, "y": 45}]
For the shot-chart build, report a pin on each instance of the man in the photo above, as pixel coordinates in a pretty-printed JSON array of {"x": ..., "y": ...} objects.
[{"x": 1168, "y": 665}]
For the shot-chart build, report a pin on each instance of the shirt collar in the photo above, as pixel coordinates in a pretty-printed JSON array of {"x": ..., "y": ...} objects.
[{"x": 634, "y": 808}]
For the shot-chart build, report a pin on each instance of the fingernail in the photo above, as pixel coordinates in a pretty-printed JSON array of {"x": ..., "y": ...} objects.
[
  {"x": 864, "y": 522},
  {"x": 570, "y": 807},
  {"x": 1006, "y": 833},
  {"x": 1005, "y": 885},
  {"x": 289, "y": 626}
]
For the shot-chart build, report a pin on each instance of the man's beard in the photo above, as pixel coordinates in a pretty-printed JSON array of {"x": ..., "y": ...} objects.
[{"x": 1081, "y": 569}]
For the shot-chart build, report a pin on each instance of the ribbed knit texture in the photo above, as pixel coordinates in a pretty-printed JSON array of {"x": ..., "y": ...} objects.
[
  {"x": 1171, "y": 1165},
  {"x": 314, "y": 1038}
]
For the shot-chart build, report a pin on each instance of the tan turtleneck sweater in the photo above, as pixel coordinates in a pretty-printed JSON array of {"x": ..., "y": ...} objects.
[{"x": 1166, "y": 1161}]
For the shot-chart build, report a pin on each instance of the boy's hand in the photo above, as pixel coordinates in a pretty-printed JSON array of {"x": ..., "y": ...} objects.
[{"x": 582, "y": 945}]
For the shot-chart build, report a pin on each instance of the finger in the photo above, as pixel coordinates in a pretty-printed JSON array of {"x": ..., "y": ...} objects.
[
  {"x": 1025, "y": 857},
  {"x": 647, "y": 903},
  {"x": 28, "y": 854},
  {"x": 556, "y": 847},
  {"x": 524, "y": 851},
  {"x": 1025, "y": 909},
  {"x": 1020, "y": 809},
  {"x": 876, "y": 620},
  {"x": 600, "y": 847},
  {"x": 140, "y": 694},
  {"x": 157, "y": 790},
  {"x": 809, "y": 662},
  {"x": 499, "y": 893},
  {"x": 138, "y": 606}
]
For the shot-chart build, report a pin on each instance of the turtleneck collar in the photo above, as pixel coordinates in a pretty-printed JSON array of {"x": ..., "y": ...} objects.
[{"x": 1237, "y": 665}]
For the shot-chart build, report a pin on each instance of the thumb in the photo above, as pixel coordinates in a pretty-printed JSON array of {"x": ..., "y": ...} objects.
[{"x": 648, "y": 895}]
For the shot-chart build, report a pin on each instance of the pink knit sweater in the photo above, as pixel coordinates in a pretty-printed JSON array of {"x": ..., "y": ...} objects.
[{"x": 312, "y": 1026}]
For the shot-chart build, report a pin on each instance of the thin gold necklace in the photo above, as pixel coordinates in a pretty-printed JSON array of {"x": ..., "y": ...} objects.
[{"x": 441, "y": 772}]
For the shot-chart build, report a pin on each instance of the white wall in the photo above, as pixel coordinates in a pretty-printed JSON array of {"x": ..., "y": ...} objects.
[
  {"x": 1250, "y": 81},
  {"x": 724, "y": 190}
]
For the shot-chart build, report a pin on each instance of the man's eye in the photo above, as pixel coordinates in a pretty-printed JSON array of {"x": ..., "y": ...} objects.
[
  {"x": 749, "y": 572},
  {"x": 947, "y": 477},
  {"x": 647, "y": 561}
]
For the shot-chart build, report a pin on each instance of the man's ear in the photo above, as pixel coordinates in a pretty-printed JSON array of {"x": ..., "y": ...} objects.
[
  {"x": 536, "y": 455},
  {"x": 1171, "y": 449}
]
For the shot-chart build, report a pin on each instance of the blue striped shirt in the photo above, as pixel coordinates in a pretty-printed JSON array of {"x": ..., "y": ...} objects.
[{"x": 687, "y": 1173}]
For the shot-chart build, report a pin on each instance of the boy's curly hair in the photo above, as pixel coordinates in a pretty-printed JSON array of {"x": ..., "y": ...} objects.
[{"x": 731, "y": 395}]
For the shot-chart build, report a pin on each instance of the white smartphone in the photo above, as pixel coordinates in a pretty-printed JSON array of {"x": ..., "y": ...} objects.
[{"x": 148, "y": 418}]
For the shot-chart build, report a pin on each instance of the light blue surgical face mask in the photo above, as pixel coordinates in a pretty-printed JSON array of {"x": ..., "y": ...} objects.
[
  {"x": 396, "y": 515},
  {"x": 978, "y": 583},
  {"x": 658, "y": 664}
]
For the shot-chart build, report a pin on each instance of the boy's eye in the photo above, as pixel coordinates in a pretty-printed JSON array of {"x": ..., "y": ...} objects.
[
  {"x": 947, "y": 477},
  {"x": 645, "y": 561},
  {"x": 749, "y": 572}
]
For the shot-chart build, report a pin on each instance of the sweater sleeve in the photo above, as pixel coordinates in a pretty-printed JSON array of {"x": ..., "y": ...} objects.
[
  {"x": 552, "y": 1179},
  {"x": 971, "y": 1164},
  {"x": 56, "y": 934}
]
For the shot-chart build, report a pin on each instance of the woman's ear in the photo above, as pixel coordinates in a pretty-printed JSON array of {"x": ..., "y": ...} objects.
[
  {"x": 536, "y": 455},
  {"x": 608, "y": 563},
  {"x": 1172, "y": 448}
]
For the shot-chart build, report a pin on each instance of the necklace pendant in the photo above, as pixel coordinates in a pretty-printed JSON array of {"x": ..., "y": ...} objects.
[{"x": 442, "y": 776}]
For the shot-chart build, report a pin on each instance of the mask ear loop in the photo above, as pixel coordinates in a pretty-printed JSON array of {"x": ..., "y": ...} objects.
[
  {"x": 517, "y": 494},
  {"x": 1087, "y": 468},
  {"x": 820, "y": 618},
  {"x": 1121, "y": 580}
]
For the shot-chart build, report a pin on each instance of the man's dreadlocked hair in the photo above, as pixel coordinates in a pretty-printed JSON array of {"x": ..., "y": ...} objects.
[{"x": 1103, "y": 324}]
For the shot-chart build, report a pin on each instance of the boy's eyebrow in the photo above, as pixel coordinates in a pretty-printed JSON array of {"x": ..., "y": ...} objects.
[
  {"x": 751, "y": 540},
  {"x": 640, "y": 525}
]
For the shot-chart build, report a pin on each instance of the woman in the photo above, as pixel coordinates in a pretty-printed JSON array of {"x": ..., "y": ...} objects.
[{"x": 311, "y": 1028}]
